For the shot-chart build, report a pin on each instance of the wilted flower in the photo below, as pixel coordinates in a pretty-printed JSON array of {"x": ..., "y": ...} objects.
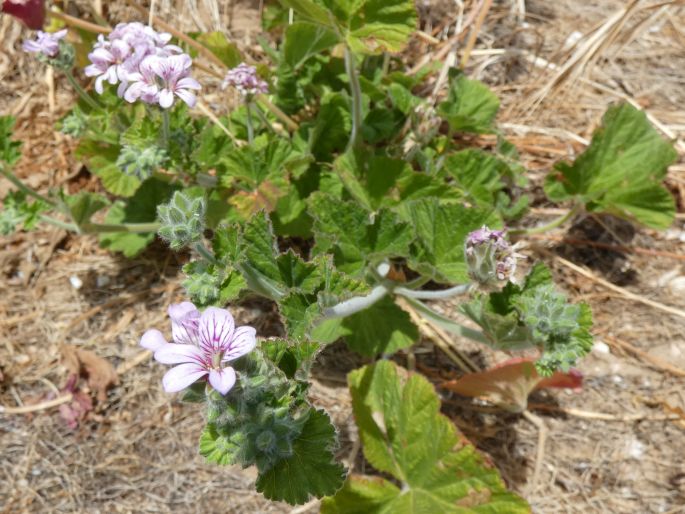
[
  {"x": 46, "y": 43},
  {"x": 490, "y": 257},
  {"x": 245, "y": 79},
  {"x": 203, "y": 345}
]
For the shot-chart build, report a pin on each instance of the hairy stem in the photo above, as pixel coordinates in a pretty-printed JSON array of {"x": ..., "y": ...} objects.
[
  {"x": 446, "y": 323},
  {"x": 205, "y": 253},
  {"x": 551, "y": 225},
  {"x": 250, "y": 127},
  {"x": 81, "y": 92},
  {"x": 356, "y": 93},
  {"x": 23, "y": 187},
  {"x": 433, "y": 295},
  {"x": 355, "y": 304},
  {"x": 165, "y": 127},
  {"x": 59, "y": 223}
]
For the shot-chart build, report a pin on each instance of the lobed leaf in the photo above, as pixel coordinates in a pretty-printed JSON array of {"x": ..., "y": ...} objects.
[{"x": 405, "y": 436}]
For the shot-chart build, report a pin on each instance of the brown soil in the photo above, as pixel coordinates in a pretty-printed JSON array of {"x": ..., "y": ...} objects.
[{"x": 615, "y": 447}]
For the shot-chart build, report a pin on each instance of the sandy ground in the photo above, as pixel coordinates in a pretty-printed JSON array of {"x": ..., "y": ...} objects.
[{"x": 615, "y": 447}]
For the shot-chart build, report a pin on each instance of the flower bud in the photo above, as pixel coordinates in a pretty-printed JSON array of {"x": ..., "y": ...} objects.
[
  {"x": 182, "y": 220},
  {"x": 141, "y": 163},
  {"x": 490, "y": 258}
]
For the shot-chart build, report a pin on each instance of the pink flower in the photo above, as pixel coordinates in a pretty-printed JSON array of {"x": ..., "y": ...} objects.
[
  {"x": 161, "y": 78},
  {"x": 245, "y": 79},
  {"x": 203, "y": 344},
  {"x": 46, "y": 43},
  {"x": 108, "y": 63}
]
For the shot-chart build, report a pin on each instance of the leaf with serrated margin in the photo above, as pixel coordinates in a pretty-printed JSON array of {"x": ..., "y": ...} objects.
[
  {"x": 441, "y": 229},
  {"x": 101, "y": 160},
  {"x": 304, "y": 40},
  {"x": 311, "y": 471},
  {"x": 404, "y": 434},
  {"x": 356, "y": 237},
  {"x": 621, "y": 171},
  {"x": 470, "y": 105},
  {"x": 83, "y": 205}
]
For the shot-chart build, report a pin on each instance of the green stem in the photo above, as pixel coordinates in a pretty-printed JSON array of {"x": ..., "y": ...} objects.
[
  {"x": 250, "y": 127},
  {"x": 446, "y": 323},
  {"x": 204, "y": 252},
  {"x": 356, "y": 93},
  {"x": 549, "y": 226},
  {"x": 58, "y": 223},
  {"x": 165, "y": 127},
  {"x": 131, "y": 228},
  {"x": 262, "y": 117},
  {"x": 23, "y": 187},
  {"x": 81, "y": 92}
]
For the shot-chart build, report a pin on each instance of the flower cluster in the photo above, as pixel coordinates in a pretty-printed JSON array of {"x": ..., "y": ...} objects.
[
  {"x": 245, "y": 79},
  {"x": 489, "y": 256},
  {"x": 46, "y": 43},
  {"x": 203, "y": 344},
  {"x": 144, "y": 64}
]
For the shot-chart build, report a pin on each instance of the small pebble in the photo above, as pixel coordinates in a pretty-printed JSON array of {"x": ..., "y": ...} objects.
[
  {"x": 76, "y": 282},
  {"x": 601, "y": 347}
]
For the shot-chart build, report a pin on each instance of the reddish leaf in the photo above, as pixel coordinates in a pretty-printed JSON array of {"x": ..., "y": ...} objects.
[
  {"x": 31, "y": 12},
  {"x": 508, "y": 384}
]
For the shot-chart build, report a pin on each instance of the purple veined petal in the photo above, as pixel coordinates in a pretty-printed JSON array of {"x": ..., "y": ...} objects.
[
  {"x": 242, "y": 342},
  {"x": 216, "y": 329},
  {"x": 166, "y": 98},
  {"x": 101, "y": 55},
  {"x": 188, "y": 83},
  {"x": 181, "y": 376},
  {"x": 133, "y": 92},
  {"x": 60, "y": 33},
  {"x": 188, "y": 97},
  {"x": 111, "y": 75},
  {"x": 184, "y": 322},
  {"x": 31, "y": 46},
  {"x": 153, "y": 340},
  {"x": 179, "y": 354},
  {"x": 222, "y": 380},
  {"x": 92, "y": 70},
  {"x": 156, "y": 65}
]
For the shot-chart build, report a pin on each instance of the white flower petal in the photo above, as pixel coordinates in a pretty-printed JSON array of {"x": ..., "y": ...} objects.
[
  {"x": 242, "y": 342},
  {"x": 178, "y": 354},
  {"x": 181, "y": 376},
  {"x": 152, "y": 340},
  {"x": 216, "y": 329},
  {"x": 222, "y": 379}
]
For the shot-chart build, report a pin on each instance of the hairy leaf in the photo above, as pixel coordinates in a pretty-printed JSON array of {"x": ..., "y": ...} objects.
[
  {"x": 470, "y": 105},
  {"x": 311, "y": 471},
  {"x": 405, "y": 436},
  {"x": 10, "y": 150},
  {"x": 441, "y": 229},
  {"x": 304, "y": 40},
  {"x": 621, "y": 171}
]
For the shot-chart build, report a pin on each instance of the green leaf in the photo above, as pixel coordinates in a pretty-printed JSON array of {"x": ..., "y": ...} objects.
[
  {"x": 470, "y": 105},
  {"x": 331, "y": 131},
  {"x": 294, "y": 360},
  {"x": 621, "y": 171},
  {"x": 311, "y": 471},
  {"x": 405, "y": 436},
  {"x": 140, "y": 208},
  {"x": 219, "y": 45},
  {"x": 369, "y": 26},
  {"x": 441, "y": 230},
  {"x": 304, "y": 40},
  {"x": 101, "y": 160},
  {"x": 382, "y": 329},
  {"x": 357, "y": 238},
  {"x": 10, "y": 151},
  {"x": 17, "y": 210},
  {"x": 83, "y": 205}
]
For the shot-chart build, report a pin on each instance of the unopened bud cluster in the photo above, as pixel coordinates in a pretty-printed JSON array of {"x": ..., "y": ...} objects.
[
  {"x": 256, "y": 425},
  {"x": 490, "y": 258},
  {"x": 548, "y": 314},
  {"x": 182, "y": 220},
  {"x": 141, "y": 163}
]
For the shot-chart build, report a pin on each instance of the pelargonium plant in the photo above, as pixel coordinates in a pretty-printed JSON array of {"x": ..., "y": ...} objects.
[{"x": 351, "y": 202}]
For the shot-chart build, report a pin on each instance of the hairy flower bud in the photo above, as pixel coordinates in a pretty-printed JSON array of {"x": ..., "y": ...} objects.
[
  {"x": 548, "y": 314},
  {"x": 491, "y": 259},
  {"x": 182, "y": 220},
  {"x": 141, "y": 163},
  {"x": 73, "y": 124}
]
